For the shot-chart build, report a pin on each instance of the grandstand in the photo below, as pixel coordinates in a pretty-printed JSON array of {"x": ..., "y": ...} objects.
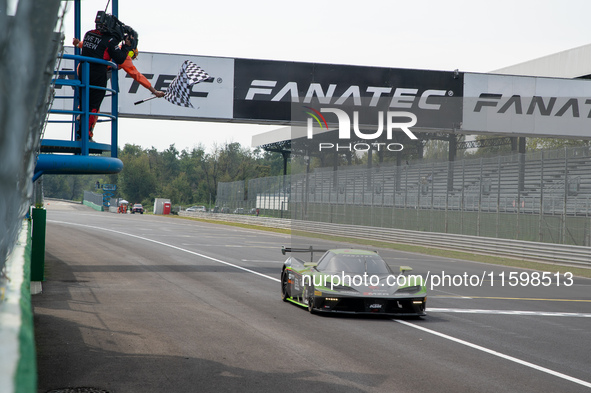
[{"x": 541, "y": 195}]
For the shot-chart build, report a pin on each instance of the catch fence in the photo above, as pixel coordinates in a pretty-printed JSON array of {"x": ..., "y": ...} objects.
[{"x": 542, "y": 196}]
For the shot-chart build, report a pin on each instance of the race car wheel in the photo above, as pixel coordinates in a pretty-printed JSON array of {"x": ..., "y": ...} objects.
[
  {"x": 310, "y": 296},
  {"x": 284, "y": 286},
  {"x": 311, "y": 305}
]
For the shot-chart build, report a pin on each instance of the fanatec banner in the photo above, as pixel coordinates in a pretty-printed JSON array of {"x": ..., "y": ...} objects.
[
  {"x": 527, "y": 106},
  {"x": 264, "y": 92},
  {"x": 211, "y": 99}
]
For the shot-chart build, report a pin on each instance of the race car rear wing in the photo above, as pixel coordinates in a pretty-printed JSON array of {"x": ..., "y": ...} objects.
[{"x": 310, "y": 249}]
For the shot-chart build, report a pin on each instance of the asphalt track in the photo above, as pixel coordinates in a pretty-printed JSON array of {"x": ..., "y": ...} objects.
[{"x": 140, "y": 303}]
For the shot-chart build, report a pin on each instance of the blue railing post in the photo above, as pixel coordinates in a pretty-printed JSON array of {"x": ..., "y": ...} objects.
[
  {"x": 114, "y": 112},
  {"x": 77, "y": 28},
  {"x": 84, "y": 119},
  {"x": 76, "y": 104},
  {"x": 80, "y": 162},
  {"x": 115, "y": 99}
]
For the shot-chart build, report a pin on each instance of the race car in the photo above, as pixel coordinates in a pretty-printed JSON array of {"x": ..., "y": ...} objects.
[{"x": 351, "y": 281}]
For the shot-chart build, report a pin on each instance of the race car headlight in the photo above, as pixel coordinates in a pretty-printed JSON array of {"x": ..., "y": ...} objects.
[{"x": 413, "y": 289}]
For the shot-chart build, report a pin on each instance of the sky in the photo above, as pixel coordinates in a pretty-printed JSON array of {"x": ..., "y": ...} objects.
[{"x": 469, "y": 35}]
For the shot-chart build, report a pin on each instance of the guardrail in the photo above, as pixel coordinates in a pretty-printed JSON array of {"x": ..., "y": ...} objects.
[
  {"x": 82, "y": 88},
  {"x": 516, "y": 249}
]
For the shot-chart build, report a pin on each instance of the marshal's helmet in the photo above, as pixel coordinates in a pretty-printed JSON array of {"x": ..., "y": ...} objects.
[{"x": 130, "y": 36}]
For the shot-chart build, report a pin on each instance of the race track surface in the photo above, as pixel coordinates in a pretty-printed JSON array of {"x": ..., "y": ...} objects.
[{"x": 142, "y": 303}]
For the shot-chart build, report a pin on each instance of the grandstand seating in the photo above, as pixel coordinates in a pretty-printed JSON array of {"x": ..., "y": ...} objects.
[{"x": 488, "y": 184}]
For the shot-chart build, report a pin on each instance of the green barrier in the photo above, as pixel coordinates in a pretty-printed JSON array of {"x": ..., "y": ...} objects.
[
  {"x": 99, "y": 208},
  {"x": 26, "y": 371},
  {"x": 38, "y": 247},
  {"x": 18, "y": 366}
]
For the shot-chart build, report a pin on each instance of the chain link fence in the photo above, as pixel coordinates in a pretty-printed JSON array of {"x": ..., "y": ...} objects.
[
  {"x": 270, "y": 195},
  {"x": 540, "y": 196},
  {"x": 93, "y": 197}
]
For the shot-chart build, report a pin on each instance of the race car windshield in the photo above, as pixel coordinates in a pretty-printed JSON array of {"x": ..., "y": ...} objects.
[{"x": 354, "y": 264}]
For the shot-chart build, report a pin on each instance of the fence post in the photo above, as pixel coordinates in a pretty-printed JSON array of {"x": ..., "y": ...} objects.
[
  {"x": 479, "y": 201},
  {"x": 448, "y": 190},
  {"x": 39, "y": 216},
  {"x": 462, "y": 206},
  {"x": 432, "y": 185},
  {"x": 564, "y": 202},
  {"x": 394, "y": 190},
  {"x": 419, "y": 196},
  {"x": 498, "y": 199},
  {"x": 517, "y": 231},
  {"x": 406, "y": 187},
  {"x": 541, "y": 218}
]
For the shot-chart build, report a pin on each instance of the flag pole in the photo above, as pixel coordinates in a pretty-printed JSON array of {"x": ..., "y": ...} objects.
[{"x": 144, "y": 100}]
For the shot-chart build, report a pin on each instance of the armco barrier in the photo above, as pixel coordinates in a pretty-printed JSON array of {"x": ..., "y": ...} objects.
[
  {"x": 517, "y": 249},
  {"x": 270, "y": 222}
]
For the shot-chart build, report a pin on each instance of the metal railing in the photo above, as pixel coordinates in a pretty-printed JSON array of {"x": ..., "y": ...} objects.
[
  {"x": 515, "y": 249},
  {"x": 80, "y": 160},
  {"x": 93, "y": 197},
  {"x": 80, "y": 105},
  {"x": 542, "y": 196}
]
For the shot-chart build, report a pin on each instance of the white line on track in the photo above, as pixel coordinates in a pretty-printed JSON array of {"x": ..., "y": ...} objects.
[
  {"x": 260, "y": 260},
  {"x": 171, "y": 246},
  {"x": 509, "y": 312},
  {"x": 495, "y": 353},
  {"x": 442, "y": 335}
]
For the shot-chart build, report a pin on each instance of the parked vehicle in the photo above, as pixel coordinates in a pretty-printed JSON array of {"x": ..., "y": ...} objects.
[
  {"x": 201, "y": 209},
  {"x": 137, "y": 208}
]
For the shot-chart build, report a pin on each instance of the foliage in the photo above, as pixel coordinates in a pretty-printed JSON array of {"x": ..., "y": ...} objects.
[
  {"x": 532, "y": 144},
  {"x": 191, "y": 177},
  {"x": 70, "y": 187},
  {"x": 553, "y": 143},
  {"x": 185, "y": 177}
]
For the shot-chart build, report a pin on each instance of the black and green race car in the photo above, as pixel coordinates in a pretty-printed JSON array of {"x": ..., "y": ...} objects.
[{"x": 351, "y": 281}]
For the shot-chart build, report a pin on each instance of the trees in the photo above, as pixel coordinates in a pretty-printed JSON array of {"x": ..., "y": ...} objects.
[
  {"x": 69, "y": 187},
  {"x": 137, "y": 181},
  {"x": 185, "y": 177},
  {"x": 553, "y": 143}
]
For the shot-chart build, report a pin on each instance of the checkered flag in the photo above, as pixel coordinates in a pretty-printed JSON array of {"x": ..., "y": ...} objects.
[{"x": 179, "y": 90}]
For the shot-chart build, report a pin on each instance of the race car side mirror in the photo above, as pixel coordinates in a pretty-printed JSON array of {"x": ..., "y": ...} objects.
[
  {"x": 310, "y": 264},
  {"x": 404, "y": 269}
]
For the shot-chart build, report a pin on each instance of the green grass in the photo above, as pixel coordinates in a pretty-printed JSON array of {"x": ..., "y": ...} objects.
[{"x": 482, "y": 258}]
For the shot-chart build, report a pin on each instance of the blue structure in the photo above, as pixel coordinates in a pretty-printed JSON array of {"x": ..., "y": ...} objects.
[
  {"x": 108, "y": 193},
  {"x": 75, "y": 157}
]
